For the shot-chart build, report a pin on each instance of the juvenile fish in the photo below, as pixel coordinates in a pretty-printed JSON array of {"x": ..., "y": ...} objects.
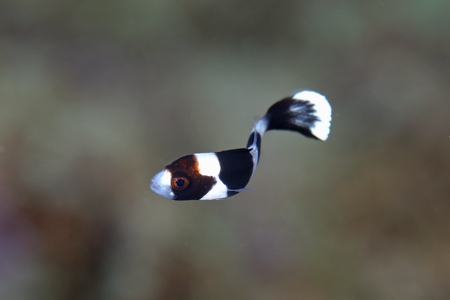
[{"x": 219, "y": 175}]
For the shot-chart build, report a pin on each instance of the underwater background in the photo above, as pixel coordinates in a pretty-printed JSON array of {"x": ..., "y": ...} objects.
[{"x": 98, "y": 96}]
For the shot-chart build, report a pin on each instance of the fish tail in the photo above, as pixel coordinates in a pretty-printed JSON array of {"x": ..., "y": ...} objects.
[{"x": 307, "y": 112}]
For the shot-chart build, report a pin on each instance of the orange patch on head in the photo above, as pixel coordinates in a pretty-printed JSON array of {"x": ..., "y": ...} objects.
[{"x": 186, "y": 181}]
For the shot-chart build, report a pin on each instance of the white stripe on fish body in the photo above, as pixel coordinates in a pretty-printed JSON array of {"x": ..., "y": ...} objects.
[
  {"x": 255, "y": 156},
  {"x": 209, "y": 165},
  {"x": 259, "y": 127},
  {"x": 218, "y": 191}
]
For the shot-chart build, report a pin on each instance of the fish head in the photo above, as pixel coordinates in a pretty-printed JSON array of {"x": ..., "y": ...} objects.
[{"x": 182, "y": 180}]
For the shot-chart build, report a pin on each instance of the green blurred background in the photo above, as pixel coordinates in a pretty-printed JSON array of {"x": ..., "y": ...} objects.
[{"x": 98, "y": 96}]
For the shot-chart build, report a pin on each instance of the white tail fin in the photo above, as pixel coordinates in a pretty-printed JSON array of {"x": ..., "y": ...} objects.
[{"x": 307, "y": 112}]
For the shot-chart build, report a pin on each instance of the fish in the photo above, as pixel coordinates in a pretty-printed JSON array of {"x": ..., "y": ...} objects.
[{"x": 220, "y": 175}]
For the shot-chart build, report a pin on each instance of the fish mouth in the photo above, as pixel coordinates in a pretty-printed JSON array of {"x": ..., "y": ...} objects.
[
  {"x": 160, "y": 184},
  {"x": 155, "y": 187}
]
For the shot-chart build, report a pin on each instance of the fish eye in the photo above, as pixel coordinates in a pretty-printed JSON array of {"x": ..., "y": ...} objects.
[{"x": 180, "y": 183}]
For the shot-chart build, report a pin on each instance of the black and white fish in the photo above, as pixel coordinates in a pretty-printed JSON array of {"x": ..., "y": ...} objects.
[{"x": 218, "y": 175}]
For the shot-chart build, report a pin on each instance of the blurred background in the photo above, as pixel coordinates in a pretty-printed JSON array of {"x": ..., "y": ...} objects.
[{"x": 98, "y": 96}]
